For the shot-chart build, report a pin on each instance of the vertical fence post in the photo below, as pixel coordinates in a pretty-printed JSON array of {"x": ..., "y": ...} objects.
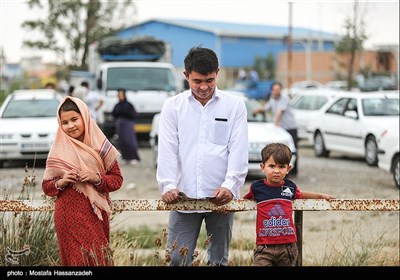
[{"x": 298, "y": 221}]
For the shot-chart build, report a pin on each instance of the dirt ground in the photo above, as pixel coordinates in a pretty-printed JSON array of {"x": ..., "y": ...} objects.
[{"x": 327, "y": 235}]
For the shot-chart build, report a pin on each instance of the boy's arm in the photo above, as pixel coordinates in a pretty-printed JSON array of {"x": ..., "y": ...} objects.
[
  {"x": 314, "y": 195},
  {"x": 249, "y": 195}
]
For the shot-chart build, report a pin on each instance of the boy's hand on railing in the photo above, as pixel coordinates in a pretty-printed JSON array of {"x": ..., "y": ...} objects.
[{"x": 326, "y": 196}]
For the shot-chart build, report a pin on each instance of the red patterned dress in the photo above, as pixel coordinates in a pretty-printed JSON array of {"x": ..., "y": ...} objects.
[{"x": 83, "y": 239}]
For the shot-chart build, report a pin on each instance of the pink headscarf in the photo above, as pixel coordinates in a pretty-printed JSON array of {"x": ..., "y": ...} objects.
[{"x": 94, "y": 154}]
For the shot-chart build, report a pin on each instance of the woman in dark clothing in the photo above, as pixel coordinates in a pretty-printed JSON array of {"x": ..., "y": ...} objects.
[{"x": 124, "y": 114}]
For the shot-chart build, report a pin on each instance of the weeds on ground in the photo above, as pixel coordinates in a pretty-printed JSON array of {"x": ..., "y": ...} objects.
[
  {"x": 360, "y": 248},
  {"x": 146, "y": 247},
  {"x": 27, "y": 238}
]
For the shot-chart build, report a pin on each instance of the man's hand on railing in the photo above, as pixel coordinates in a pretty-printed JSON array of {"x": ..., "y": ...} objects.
[
  {"x": 171, "y": 196},
  {"x": 222, "y": 196}
]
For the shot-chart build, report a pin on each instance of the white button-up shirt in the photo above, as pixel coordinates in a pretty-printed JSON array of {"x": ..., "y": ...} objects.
[{"x": 201, "y": 148}]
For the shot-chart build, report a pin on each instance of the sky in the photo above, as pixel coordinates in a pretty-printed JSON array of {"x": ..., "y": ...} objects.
[{"x": 381, "y": 18}]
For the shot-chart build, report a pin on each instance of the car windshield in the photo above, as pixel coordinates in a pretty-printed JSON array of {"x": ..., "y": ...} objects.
[
  {"x": 140, "y": 78},
  {"x": 31, "y": 108},
  {"x": 381, "y": 106}
]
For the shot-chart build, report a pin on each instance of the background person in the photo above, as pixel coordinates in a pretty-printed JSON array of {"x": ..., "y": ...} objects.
[
  {"x": 50, "y": 85},
  {"x": 81, "y": 170},
  {"x": 276, "y": 233},
  {"x": 202, "y": 153},
  {"x": 93, "y": 101},
  {"x": 70, "y": 91},
  {"x": 125, "y": 115},
  {"x": 280, "y": 106}
]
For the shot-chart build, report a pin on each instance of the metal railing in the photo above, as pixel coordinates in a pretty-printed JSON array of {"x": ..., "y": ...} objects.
[{"x": 299, "y": 205}]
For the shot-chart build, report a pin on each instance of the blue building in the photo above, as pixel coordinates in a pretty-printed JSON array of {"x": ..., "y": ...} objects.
[{"x": 237, "y": 45}]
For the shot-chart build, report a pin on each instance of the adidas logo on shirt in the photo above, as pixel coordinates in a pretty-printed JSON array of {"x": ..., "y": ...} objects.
[{"x": 287, "y": 191}]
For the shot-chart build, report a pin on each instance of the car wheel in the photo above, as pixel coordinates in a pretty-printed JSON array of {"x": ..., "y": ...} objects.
[
  {"x": 319, "y": 146},
  {"x": 396, "y": 171},
  {"x": 371, "y": 151}
]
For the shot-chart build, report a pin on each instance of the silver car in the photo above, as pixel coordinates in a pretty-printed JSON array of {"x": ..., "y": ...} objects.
[{"x": 28, "y": 124}]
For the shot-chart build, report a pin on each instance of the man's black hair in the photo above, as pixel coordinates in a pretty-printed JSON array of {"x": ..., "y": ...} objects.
[
  {"x": 276, "y": 83},
  {"x": 201, "y": 60}
]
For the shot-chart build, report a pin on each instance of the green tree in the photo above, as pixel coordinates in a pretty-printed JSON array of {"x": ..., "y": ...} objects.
[
  {"x": 265, "y": 66},
  {"x": 270, "y": 66},
  {"x": 70, "y": 26},
  {"x": 352, "y": 42}
]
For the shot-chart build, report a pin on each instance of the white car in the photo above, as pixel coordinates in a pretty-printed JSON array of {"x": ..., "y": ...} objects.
[
  {"x": 306, "y": 103},
  {"x": 260, "y": 132},
  {"x": 28, "y": 124},
  {"x": 338, "y": 85},
  {"x": 301, "y": 86},
  {"x": 353, "y": 122},
  {"x": 388, "y": 153}
]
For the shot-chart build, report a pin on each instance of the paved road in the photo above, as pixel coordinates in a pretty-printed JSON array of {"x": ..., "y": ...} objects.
[{"x": 341, "y": 175}]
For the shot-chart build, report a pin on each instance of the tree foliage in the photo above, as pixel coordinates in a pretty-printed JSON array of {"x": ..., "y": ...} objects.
[
  {"x": 352, "y": 42},
  {"x": 265, "y": 66},
  {"x": 69, "y": 27}
]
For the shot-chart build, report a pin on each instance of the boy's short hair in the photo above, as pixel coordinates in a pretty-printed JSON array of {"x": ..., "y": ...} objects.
[
  {"x": 202, "y": 60},
  {"x": 279, "y": 151}
]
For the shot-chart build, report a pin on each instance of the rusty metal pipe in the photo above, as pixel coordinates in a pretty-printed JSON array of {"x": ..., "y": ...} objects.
[{"x": 233, "y": 206}]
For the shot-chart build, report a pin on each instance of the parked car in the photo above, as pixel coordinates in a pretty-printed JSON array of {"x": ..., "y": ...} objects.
[
  {"x": 388, "y": 153},
  {"x": 260, "y": 132},
  {"x": 337, "y": 85},
  {"x": 378, "y": 83},
  {"x": 353, "y": 122},
  {"x": 300, "y": 86},
  {"x": 28, "y": 124},
  {"x": 306, "y": 103},
  {"x": 340, "y": 85}
]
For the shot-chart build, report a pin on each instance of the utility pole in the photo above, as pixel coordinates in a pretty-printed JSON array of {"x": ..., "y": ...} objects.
[{"x": 289, "y": 50}]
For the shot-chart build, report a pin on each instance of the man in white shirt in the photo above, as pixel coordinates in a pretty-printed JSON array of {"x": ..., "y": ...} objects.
[
  {"x": 280, "y": 106},
  {"x": 202, "y": 152}
]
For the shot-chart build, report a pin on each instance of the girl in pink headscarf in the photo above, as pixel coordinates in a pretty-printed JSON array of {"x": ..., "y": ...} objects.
[{"x": 81, "y": 170}]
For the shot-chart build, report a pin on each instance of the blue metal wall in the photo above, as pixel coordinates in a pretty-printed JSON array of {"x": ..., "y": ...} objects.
[{"x": 232, "y": 51}]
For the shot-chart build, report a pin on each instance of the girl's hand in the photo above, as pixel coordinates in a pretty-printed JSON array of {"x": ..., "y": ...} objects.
[
  {"x": 86, "y": 176},
  {"x": 71, "y": 177}
]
